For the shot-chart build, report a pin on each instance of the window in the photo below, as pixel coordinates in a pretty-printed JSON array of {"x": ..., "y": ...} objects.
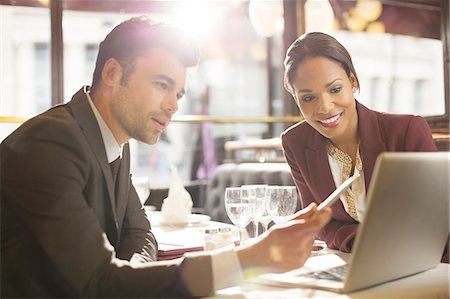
[
  {"x": 230, "y": 82},
  {"x": 398, "y": 54},
  {"x": 394, "y": 45},
  {"x": 25, "y": 63},
  {"x": 42, "y": 75}
]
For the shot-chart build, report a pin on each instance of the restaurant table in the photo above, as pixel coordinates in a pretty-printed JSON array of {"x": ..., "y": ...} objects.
[{"x": 433, "y": 283}]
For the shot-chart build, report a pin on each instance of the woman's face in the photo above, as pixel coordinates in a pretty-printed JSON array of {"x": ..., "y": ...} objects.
[{"x": 324, "y": 94}]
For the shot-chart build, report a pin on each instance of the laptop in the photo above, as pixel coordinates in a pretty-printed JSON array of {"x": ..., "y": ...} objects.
[{"x": 403, "y": 233}]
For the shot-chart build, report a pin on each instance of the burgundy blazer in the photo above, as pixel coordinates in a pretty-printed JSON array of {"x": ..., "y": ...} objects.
[{"x": 305, "y": 152}]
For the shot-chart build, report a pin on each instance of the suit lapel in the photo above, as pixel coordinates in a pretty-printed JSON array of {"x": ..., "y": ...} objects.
[{"x": 85, "y": 117}]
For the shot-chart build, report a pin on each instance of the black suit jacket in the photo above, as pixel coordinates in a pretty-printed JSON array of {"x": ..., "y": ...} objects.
[{"x": 63, "y": 231}]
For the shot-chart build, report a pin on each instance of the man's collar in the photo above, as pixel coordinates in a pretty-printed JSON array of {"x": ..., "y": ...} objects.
[{"x": 112, "y": 148}]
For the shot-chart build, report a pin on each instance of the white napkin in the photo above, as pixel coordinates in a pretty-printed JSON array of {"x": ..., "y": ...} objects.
[{"x": 177, "y": 207}]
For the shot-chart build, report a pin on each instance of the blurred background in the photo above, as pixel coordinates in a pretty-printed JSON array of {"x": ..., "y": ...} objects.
[{"x": 235, "y": 107}]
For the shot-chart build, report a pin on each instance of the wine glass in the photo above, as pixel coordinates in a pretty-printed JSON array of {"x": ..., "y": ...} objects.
[
  {"x": 239, "y": 205},
  {"x": 265, "y": 218},
  {"x": 260, "y": 208},
  {"x": 281, "y": 202}
]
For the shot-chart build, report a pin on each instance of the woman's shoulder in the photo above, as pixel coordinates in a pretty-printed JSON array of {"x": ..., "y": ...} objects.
[
  {"x": 406, "y": 132},
  {"x": 390, "y": 120},
  {"x": 298, "y": 130}
]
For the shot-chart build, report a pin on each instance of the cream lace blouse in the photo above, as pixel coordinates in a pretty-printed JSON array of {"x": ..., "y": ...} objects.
[{"x": 341, "y": 165}]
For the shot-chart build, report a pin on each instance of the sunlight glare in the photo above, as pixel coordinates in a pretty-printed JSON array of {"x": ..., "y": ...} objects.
[{"x": 198, "y": 17}]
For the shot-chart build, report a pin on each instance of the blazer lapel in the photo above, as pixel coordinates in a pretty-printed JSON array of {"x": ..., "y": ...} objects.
[
  {"x": 85, "y": 117},
  {"x": 318, "y": 167},
  {"x": 372, "y": 143}
]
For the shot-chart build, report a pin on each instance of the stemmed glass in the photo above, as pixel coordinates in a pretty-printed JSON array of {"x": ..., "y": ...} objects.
[
  {"x": 239, "y": 205},
  {"x": 281, "y": 202},
  {"x": 260, "y": 208},
  {"x": 265, "y": 218}
]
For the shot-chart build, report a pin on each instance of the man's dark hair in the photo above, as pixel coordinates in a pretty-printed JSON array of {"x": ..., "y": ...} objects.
[{"x": 134, "y": 36}]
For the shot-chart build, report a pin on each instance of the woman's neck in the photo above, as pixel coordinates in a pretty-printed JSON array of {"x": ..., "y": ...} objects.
[{"x": 348, "y": 142}]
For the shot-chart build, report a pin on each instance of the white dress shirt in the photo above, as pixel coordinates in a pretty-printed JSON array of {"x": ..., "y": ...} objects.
[{"x": 112, "y": 147}]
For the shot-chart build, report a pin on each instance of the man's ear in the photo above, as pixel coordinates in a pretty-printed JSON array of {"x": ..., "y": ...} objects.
[{"x": 112, "y": 72}]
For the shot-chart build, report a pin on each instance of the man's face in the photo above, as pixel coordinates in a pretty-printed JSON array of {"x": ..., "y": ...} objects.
[{"x": 144, "y": 105}]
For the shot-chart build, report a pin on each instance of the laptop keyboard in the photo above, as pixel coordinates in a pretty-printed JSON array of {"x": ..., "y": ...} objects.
[{"x": 336, "y": 273}]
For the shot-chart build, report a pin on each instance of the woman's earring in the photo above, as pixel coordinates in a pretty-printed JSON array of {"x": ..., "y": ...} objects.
[{"x": 354, "y": 89}]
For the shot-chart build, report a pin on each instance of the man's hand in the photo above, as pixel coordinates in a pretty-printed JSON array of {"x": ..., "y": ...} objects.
[{"x": 286, "y": 246}]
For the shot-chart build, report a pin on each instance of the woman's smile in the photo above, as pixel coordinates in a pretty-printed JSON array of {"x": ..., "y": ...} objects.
[{"x": 331, "y": 121}]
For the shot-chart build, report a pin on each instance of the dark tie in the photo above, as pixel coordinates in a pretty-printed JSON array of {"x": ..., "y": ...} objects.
[{"x": 115, "y": 165}]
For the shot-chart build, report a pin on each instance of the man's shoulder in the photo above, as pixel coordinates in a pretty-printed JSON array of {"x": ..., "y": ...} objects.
[
  {"x": 60, "y": 117},
  {"x": 55, "y": 123},
  {"x": 55, "y": 119}
]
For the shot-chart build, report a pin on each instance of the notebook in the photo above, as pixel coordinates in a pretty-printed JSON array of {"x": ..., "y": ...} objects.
[
  {"x": 175, "y": 243},
  {"x": 404, "y": 230}
]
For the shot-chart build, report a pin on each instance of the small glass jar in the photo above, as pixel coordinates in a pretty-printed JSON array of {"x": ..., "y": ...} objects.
[
  {"x": 211, "y": 238},
  {"x": 225, "y": 237}
]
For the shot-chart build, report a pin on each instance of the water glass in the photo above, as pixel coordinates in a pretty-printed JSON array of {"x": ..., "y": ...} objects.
[
  {"x": 260, "y": 208},
  {"x": 281, "y": 202},
  {"x": 239, "y": 205},
  {"x": 265, "y": 219}
]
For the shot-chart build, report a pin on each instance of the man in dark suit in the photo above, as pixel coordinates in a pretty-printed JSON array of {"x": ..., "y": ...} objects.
[{"x": 71, "y": 221}]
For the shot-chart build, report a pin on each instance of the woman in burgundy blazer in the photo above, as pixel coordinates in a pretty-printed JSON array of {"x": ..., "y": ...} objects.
[{"x": 321, "y": 78}]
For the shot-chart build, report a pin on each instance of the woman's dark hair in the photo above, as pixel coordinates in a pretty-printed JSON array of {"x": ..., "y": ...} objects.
[
  {"x": 315, "y": 44},
  {"x": 134, "y": 36}
]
